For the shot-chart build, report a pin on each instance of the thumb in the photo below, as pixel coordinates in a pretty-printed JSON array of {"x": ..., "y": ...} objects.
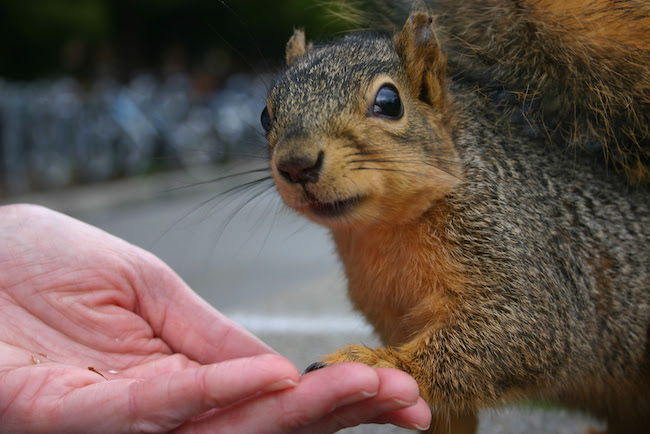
[{"x": 167, "y": 401}]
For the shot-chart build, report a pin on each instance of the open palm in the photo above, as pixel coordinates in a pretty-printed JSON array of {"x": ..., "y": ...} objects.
[{"x": 98, "y": 335}]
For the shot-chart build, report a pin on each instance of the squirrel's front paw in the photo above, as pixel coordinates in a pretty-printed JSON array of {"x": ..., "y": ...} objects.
[{"x": 377, "y": 358}]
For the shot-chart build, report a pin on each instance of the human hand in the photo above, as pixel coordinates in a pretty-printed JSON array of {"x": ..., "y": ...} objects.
[{"x": 97, "y": 335}]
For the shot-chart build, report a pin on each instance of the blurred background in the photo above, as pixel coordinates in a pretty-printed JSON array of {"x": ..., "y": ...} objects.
[{"x": 94, "y": 90}]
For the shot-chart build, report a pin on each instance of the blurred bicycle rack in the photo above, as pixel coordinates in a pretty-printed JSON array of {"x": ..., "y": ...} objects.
[{"x": 54, "y": 133}]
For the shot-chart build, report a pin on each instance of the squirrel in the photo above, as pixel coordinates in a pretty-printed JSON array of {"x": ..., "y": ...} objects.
[
  {"x": 496, "y": 261},
  {"x": 578, "y": 71}
]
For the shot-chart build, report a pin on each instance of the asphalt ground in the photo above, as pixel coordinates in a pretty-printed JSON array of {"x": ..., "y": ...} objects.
[{"x": 268, "y": 269}]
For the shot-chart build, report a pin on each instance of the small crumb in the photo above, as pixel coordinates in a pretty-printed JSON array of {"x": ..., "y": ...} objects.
[
  {"x": 45, "y": 356},
  {"x": 36, "y": 361},
  {"x": 113, "y": 371},
  {"x": 90, "y": 368}
]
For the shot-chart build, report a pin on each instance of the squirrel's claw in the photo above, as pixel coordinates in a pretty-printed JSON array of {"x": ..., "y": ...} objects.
[{"x": 314, "y": 366}]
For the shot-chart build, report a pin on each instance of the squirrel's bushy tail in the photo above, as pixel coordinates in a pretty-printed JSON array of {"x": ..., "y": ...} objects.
[{"x": 577, "y": 70}]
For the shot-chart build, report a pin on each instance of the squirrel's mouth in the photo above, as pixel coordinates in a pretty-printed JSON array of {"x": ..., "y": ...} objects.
[{"x": 332, "y": 209}]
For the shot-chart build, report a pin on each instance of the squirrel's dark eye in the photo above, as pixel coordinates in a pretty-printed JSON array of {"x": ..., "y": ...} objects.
[
  {"x": 388, "y": 103},
  {"x": 266, "y": 120}
]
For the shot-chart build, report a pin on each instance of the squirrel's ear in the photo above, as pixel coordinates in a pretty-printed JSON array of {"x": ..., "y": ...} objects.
[
  {"x": 296, "y": 47},
  {"x": 423, "y": 59}
]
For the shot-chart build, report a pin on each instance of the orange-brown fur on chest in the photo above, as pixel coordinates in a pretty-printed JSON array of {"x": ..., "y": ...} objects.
[{"x": 404, "y": 278}]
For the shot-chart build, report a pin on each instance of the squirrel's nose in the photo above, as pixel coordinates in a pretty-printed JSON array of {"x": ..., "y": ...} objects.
[{"x": 301, "y": 170}]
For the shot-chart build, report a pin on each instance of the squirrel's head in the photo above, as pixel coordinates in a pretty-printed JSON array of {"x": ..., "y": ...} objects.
[{"x": 359, "y": 130}]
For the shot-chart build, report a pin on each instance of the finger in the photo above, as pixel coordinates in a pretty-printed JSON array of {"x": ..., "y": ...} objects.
[
  {"x": 397, "y": 402},
  {"x": 186, "y": 322},
  {"x": 165, "y": 402},
  {"x": 416, "y": 417},
  {"x": 158, "y": 365},
  {"x": 318, "y": 394},
  {"x": 399, "y": 386},
  {"x": 217, "y": 386},
  {"x": 405, "y": 415}
]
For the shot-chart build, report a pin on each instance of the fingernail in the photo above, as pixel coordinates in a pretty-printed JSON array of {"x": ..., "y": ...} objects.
[
  {"x": 420, "y": 428},
  {"x": 405, "y": 403},
  {"x": 280, "y": 385},
  {"x": 356, "y": 397}
]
